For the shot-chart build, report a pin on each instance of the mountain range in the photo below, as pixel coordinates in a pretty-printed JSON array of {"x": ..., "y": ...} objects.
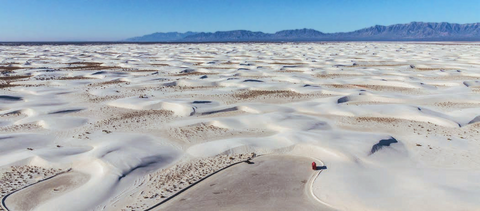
[{"x": 414, "y": 31}]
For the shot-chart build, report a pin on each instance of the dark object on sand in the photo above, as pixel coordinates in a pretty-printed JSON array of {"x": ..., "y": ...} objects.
[
  {"x": 343, "y": 99},
  {"x": 187, "y": 71},
  {"x": 201, "y": 101},
  {"x": 249, "y": 159},
  {"x": 382, "y": 143},
  {"x": 252, "y": 80},
  {"x": 10, "y": 98}
]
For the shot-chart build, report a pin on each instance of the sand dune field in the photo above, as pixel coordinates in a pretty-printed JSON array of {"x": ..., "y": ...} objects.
[{"x": 126, "y": 126}]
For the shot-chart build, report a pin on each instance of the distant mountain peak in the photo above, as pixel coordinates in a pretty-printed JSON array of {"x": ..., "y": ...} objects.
[
  {"x": 161, "y": 37},
  {"x": 418, "y": 31}
]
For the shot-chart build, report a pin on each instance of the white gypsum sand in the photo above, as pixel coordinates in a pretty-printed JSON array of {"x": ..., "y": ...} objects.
[{"x": 397, "y": 124}]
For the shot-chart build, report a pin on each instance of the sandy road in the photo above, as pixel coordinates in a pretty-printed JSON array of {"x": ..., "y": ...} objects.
[
  {"x": 29, "y": 198},
  {"x": 271, "y": 183}
]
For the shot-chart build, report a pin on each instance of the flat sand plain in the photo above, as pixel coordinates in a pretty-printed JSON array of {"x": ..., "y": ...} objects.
[
  {"x": 397, "y": 124},
  {"x": 267, "y": 183}
]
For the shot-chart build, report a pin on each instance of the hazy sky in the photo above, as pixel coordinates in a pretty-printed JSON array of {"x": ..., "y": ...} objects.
[{"x": 100, "y": 20}]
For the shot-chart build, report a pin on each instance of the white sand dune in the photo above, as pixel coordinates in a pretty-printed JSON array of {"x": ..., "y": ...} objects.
[{"x": 396, "y": 124}]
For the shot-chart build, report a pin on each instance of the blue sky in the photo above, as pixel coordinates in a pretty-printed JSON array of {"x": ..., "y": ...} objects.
[{"x": 104, "y": 20}]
